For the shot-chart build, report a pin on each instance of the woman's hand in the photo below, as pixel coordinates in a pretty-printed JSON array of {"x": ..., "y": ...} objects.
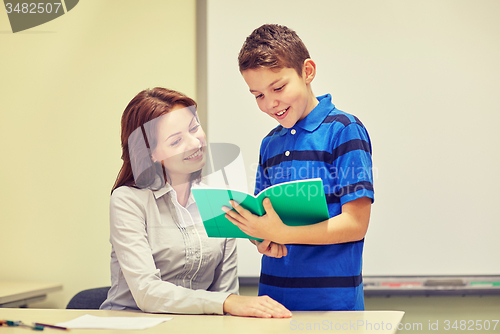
[{"x": 251, "y": 306}]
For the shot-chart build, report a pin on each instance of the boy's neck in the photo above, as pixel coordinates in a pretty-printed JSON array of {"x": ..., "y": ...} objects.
[{"x": 312, "y": 103}]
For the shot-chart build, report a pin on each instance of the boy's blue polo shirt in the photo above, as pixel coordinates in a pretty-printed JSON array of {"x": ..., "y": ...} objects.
[{"x": 334, "y": 146}]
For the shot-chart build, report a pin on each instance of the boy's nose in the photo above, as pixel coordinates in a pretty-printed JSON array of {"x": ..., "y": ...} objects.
[{"x": 273, "y": 104}]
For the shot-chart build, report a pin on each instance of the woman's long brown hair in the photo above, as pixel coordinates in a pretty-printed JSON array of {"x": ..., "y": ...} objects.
[{"x": 144, "y": 107}]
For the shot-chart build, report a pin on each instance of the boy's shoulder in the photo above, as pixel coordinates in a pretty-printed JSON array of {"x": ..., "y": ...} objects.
[
  {"x": 328, "y": 113},
  {"x": 341, "y": 117}
]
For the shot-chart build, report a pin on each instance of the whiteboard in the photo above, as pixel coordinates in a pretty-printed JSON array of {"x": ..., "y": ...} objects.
[{"x": 424, "y": 78}]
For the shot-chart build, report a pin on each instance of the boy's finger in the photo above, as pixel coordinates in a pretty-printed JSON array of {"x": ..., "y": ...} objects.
[
  {"x": 276, "y": 250},
  {"x": 235, "y": 215},
  {"x": 268, "y": 252},
  {"x": 229, "y": 212},
  {"x": 263, "y": 246},
  {"x": 280, "y": 251},
  {"x": 235, "y": 221},
  {"x": 245, "y": 213},
  {"x": 266, "y": 203},
  {"x": 272, "y": 250}
]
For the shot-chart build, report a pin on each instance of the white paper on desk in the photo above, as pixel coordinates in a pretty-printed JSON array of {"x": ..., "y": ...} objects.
[{"x": 92, "y": 322}]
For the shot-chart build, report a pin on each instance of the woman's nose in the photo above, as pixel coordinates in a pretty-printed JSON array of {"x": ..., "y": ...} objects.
[{"x": 195, "y": 141}]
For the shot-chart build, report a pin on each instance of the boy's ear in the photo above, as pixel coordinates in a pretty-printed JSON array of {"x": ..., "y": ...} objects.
[{"x": 309, "y": 70}]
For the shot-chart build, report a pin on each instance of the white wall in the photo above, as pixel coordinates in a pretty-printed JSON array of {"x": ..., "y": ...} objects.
[{"x": 424, "y": 78}]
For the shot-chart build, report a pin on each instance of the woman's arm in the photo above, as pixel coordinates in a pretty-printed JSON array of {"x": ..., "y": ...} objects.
[
  {"x": 130, "y": 242},
  {"x": 226, "y": 280},
  {"x": 226, "y": 272}
]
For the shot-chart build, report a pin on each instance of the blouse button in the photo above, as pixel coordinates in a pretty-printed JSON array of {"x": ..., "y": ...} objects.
[
  {"x": 293, "y": 131},
  {"x": 287, "y": 153}
]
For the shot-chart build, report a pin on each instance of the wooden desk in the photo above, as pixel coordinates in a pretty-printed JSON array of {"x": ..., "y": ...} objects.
[
  {"x": 20, "y": 294},
  {"x": 353, "y": 322}
]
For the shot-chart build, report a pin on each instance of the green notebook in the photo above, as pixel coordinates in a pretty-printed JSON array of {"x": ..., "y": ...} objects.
[{"x": 297, "y": 203}]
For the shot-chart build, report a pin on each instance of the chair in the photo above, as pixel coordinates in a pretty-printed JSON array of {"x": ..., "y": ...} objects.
[{"x": 90, "y": 299}]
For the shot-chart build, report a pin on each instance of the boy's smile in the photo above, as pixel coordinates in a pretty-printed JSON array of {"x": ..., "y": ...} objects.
[{"x": 283, "y": 94}]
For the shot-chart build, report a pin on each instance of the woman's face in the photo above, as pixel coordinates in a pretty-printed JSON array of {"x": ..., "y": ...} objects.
[{"x": 181, "y": 144}]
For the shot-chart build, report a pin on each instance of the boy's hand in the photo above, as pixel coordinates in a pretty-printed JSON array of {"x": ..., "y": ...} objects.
[
  {"x": 271, "y": 249},
  {"x": 267, "y": 227}
]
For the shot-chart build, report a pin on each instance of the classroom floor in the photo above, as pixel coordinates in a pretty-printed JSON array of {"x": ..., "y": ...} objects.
[{"x": 435, "y": 314}]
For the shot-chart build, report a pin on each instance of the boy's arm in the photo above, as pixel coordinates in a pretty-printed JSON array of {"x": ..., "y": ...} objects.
[{"x": 350, "y": 225}]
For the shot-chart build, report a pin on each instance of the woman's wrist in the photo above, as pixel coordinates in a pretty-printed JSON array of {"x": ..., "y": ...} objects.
[{"x": 226, "y": 306}]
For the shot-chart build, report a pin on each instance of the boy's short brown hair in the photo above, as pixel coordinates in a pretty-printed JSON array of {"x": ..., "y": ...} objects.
[{"x": 273, "y": 46}]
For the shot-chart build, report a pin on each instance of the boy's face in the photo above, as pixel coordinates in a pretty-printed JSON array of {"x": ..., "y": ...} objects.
[{"x": 282, "y": 94}]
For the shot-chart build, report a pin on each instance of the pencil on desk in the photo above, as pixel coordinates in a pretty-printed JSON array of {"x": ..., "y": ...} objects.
[{"x": 49, "y": 326}]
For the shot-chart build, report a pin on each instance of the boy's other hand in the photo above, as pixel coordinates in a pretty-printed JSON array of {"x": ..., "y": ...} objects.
[{"x": 271, "y": 249}]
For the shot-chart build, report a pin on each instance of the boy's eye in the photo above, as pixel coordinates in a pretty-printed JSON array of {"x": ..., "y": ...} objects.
[
  {"x": 259, "y": 96},
  {"x": 278, "y": 89}
]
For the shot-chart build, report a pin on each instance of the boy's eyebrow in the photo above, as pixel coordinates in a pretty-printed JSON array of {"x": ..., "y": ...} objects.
[
  {"x": 178, "y": 133},
  {"x": 271, "y": 84}
]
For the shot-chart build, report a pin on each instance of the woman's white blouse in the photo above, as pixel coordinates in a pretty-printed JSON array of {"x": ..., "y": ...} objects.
[{"x": 162, "y": 259}]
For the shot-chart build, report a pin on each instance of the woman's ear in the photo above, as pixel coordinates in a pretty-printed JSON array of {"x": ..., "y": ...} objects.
[
  {"x": 309, "y": 70},
  {"x": 153, "y": 157}
]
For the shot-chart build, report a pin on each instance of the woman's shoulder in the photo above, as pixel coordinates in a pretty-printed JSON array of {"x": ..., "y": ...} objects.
[
  {"x": 123, "y": 190},
  {"x": 130, "y": 193}
]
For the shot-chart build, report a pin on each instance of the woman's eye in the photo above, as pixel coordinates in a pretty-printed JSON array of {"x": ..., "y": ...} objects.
[
  {"x": 194, "y": 128},
  {"x": 175, "y": 142}
]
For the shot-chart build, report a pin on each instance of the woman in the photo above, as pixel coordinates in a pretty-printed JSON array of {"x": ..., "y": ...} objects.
[{"x": 162, "y": 259}]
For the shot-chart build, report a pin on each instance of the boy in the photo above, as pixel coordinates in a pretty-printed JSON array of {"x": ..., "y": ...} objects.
[{"x": 320, "y": 266}]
